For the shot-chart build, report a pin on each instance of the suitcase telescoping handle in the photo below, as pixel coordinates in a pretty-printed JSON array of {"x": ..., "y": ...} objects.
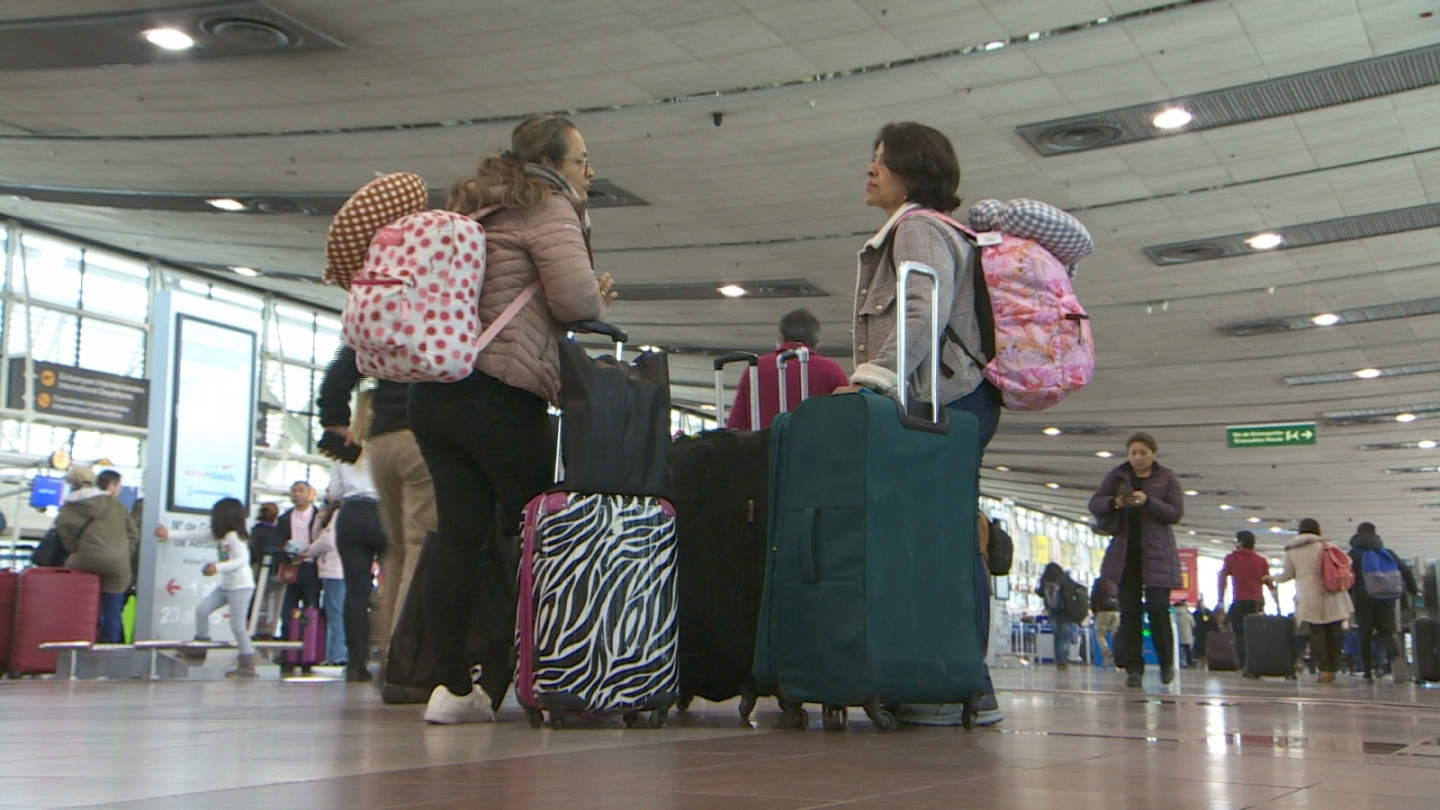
[
  {"x": 781, "y": 360},
  {"x": 611, "y": 331},
  {"x": 902, "y": 383},
  {"x": 754, "y": 364}
]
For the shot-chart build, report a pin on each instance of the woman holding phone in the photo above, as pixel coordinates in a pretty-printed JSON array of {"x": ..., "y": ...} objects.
[{"x": 1142, "y": 557}]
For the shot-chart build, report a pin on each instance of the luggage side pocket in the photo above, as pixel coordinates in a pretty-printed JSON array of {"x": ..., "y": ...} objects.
[{"x": 823, "y": 654}]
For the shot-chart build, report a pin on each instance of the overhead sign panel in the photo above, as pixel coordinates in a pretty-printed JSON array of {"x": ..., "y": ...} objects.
[
  {"x": 1281, "y": 435},
  {"x": 80, "y": 392}
]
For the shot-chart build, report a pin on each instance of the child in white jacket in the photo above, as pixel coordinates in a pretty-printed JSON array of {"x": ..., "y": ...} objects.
[{"x": 237, "y": 581}]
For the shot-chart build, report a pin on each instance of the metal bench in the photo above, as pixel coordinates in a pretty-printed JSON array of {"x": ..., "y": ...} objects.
[{"x": 152, "y": 648}]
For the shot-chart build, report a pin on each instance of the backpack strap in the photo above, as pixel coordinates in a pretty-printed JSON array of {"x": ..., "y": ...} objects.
[
  {"x": 983, "y": 315},
  {"x": 507, "y": 316}
]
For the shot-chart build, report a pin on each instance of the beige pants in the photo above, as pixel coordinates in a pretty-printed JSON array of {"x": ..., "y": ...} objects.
[
  {"x": 407, "y": 512},
  {"x": 1107, "y": 626}
]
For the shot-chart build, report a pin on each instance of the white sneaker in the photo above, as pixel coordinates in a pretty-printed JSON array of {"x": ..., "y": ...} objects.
[{"x": 446, "y": 707}]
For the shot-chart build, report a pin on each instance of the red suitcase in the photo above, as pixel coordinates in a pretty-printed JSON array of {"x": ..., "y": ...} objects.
[
  {"x": 307, "y": 626},
  {"x": 52, "y": 604},
  {"x": 8, "y": 583}
]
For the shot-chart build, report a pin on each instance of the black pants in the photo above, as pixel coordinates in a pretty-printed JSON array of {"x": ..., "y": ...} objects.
[
  {"x": 489, "y": 451},
  {"x": 361, "y": 541},
  {"x": 1239, "y": 609},
  {"x": 1325, "y": 645},
  {"x": 306, "y": 589},
  {"x": 1375, "y": 618},
  {"x": 1131, "y": 654}
]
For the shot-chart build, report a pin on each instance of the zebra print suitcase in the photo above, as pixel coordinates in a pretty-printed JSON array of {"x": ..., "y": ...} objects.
[{"x": 596, "y": 615}]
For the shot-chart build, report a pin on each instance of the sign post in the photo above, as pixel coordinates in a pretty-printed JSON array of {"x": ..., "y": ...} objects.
[
  {"x": 202, "y": 403},
  {"x": 1277, "y": 435}
]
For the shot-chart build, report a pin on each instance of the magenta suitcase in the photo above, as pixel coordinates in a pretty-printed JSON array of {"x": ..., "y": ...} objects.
[
  {"x": 52, "y": 604},
  {"x": 8, "y": 583},
  {"x": 307, "y": 626}
]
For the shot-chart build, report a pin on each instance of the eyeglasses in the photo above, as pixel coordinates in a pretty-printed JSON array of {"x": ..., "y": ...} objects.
[{"x": 583, "y": 161}]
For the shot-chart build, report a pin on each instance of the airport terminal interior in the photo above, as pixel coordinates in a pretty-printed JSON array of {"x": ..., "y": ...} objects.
[{"x": 1261, "y": 183}]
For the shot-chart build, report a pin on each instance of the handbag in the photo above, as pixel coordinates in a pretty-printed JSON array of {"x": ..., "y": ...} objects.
[
  {"x": 288, "y": 573},
  {"x": 1111, "y": 523}
]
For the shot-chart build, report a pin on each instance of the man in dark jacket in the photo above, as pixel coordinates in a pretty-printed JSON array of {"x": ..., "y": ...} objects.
[{"x": 1375, "y": 613}]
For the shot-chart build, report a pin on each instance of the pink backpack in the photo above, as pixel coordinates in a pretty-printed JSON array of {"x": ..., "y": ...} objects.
[
  {"x": 411, "y": 314},
  {"x": 1336, "y": 575},
  {"x": 1042, "y": 349}
]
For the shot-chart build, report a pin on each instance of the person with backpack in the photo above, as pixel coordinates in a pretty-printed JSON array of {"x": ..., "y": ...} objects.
[
  {"x": 1067, "y": 605},
  {"x": 913, "y": 177},
  {"x": 1144, "y": 500},
  {"x": 1381, "y": 579},
  {"x": 487, "y": 439},
  {"x": 98, "y": 535},
  {"x": 1105, "y": 603},
  {"x": 1322, "y": 593}
]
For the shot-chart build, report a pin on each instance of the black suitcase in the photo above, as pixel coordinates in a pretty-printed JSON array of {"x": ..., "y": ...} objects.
[
  {"x": 1427, "y": 649},
  {"x": 721, "y": 481},
  {"x": 1269, "y": 646}
]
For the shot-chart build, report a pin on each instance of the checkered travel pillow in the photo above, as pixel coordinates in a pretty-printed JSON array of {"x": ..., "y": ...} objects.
[
  {"x": 375, "y": 205},
  {"x": 1063, "y": 235}
]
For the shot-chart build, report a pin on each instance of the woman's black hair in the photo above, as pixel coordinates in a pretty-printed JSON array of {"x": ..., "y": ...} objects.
[
  {"x": 228, "y": 515},
  {"x": 925, "y": 159}
]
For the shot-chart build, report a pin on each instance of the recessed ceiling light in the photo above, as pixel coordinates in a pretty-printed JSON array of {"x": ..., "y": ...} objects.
[
  {"x": 226, "y": 204},
  {"x": 1192, "y": 531},
  {"x": 1052, "y": 431},
  {"x": 248, "y": 272},
  {"x": 170, "y": 39},
  {"x": 1253, "y": 519},
  {"x": 1104, "y": 453},
  {"x": 1192, "y": 492},
  {"x": 732, "y": 290},
  {"x": 1277, "y": 529},
  {"x": 1426, "y": 444},
  {"x": 1368, "y": 373},
  {"x": 1265, "y": 241},
  {"x": 1405, "y": 417},
  {"x": 1172, "y": 118},
  {"x": 995, "y": 45},
  {"x": 1052, "y": 485},
  {"x": 1225, "y": 507},
  {"x": 1325, "y": 319},
  {"x": 1002, "y": 468}
]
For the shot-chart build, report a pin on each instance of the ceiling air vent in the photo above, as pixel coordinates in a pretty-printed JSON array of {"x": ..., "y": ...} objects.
[
  {"x": 1285, "y": 95},
  {"x": 710, "y": 290},
  {"x": 1380, "y": 312},
  {"x": 249, "y": 33},
  {"x": 1309, "y": 234},
  {"x": 219, "y": 30}
]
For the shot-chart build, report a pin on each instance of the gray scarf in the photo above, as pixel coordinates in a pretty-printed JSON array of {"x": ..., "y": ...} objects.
[{"x": 558, "y": 180}]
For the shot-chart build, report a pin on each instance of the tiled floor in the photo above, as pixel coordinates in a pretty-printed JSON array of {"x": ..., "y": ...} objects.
[{"x": 1071, "y": 740}]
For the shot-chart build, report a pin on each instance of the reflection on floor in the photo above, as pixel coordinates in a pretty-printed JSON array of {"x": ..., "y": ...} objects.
[{"x": 1075, "y": 740}]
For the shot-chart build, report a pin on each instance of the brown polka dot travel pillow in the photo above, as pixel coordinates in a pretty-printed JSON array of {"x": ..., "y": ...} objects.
[{"x": 377, "y": 203}]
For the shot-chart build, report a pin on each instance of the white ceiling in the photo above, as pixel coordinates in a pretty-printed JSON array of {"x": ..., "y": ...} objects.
[{"x": 785, "y": 170}]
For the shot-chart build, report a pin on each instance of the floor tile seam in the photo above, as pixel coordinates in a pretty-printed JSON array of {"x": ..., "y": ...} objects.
[
  {"x": 1176, "y": 778},
  {"x": 1302, "y": 699},
  {"x": 901, "y": 792},
  {"x": 1272, "y": 799}
]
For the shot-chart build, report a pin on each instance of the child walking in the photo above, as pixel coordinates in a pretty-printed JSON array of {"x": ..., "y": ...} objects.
[{"x": 237, "y": 581}]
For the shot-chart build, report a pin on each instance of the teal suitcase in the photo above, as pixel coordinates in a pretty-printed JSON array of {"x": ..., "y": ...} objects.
[{"x": 870, "y": 592}]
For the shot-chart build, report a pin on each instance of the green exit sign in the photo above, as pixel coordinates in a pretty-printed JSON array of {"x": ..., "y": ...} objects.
[{"x": 1270, "y": 435}]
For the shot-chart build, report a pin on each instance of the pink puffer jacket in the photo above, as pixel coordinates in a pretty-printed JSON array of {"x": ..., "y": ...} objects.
[{"x": 546, "y": 242}]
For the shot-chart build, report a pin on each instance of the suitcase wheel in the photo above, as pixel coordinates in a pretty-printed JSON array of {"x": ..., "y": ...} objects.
[
  {"x": 683, "y": 703},
  {"x": 654, "y": 718},
  {"x": 535, "y": 716},
  {"x": 794, "y": 716},
  {"x": 557, "y": 721},
  {"x": 879, "y": 715},
  {"x": 835, "y": 718}
]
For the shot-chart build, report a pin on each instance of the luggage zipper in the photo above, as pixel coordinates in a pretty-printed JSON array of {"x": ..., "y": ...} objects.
[
  {"x": 1077, "y": 317},
  {"x": 374, "y": 282}
]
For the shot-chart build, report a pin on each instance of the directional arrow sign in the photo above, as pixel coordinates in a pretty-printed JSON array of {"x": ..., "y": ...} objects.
[
  {"x": 1281, "y": 435},
  {"x": 171, "y": 588}
]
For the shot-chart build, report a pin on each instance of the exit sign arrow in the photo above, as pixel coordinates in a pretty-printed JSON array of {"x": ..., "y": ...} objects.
[{"x": 1280, "y": 435}]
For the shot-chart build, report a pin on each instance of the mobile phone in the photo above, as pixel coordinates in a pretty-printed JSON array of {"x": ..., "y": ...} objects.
[{"x": 334, "y": 446}]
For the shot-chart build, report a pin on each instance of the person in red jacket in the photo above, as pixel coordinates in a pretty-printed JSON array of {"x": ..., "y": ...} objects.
[
  {"x": 798, "y": 328},
  {"x": 1247, "y": 568}
]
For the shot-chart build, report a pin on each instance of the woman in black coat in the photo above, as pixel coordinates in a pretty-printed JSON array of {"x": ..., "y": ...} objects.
[{"x": 1142, "y": 556}]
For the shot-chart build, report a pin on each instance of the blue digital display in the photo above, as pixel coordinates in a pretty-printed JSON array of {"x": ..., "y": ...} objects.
[{"x": 46, "y": 491}]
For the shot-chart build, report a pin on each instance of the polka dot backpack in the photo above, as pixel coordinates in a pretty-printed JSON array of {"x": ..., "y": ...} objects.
[{"x": 412, "y": 314}]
